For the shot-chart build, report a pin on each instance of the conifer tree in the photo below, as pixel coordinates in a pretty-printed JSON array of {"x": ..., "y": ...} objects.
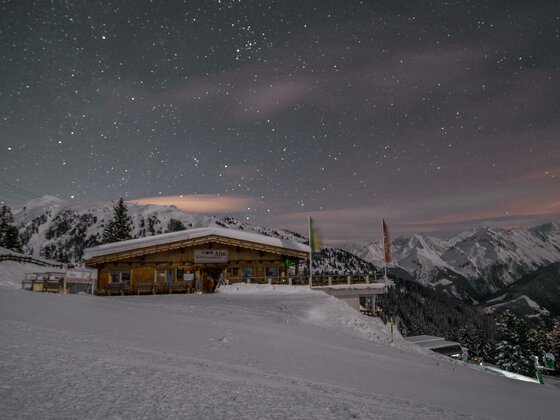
[
  {"x": 482, "y": 344},
  {"x": 513, "y": 351},
  {"x": 540, "y": 341},
  {"x": 466, "y": 338},
  {"x": 174, "y": 225},
  {"x": 120, "y": 227},
  {"x": 555, "y": 341},
  {"x": 9, "y": 234}
]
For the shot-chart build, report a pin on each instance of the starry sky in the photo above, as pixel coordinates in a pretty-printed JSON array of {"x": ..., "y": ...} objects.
[{"x": 438, "y": 115}]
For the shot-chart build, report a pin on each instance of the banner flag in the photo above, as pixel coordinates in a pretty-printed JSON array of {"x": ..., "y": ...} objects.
[
  {"x": 314, "y": 240},
  {"x": 386, "y": 243}
]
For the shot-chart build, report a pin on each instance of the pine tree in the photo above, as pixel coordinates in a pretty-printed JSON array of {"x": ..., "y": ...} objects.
[
  {"x": 174, "y": 225},
  {"x": 120, "y": 227},
  {"x": 482, "y": 344},
  {"x": 466, "y": 338},
  {"x": 513, "y": 352},
  {"x": 555, "y": 341},
  {"x": 9, "y": 234},
  {"x": 540, "y": 341}
]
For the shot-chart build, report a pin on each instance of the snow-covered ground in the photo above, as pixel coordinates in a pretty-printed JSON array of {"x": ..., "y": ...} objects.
[{"x": 247, "y": 352}]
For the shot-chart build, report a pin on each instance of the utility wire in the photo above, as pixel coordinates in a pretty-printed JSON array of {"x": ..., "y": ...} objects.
[{"x": 25, "y": 193}]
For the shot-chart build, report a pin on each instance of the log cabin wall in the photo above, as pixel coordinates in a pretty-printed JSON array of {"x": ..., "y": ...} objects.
[{"x": 143, "y": 268}]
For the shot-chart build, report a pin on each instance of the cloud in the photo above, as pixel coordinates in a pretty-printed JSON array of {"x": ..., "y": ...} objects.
[{"x": 201, "y": 203}]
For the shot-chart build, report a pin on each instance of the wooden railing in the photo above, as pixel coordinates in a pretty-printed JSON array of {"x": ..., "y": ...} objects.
[
  {"x": 318, "y": 280},
  {"x": 27, "y": 259},
  {"x": 56, "y": 282}
]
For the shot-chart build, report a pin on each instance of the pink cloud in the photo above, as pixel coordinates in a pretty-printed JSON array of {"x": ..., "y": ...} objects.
[{"x": 201, "y": 203}]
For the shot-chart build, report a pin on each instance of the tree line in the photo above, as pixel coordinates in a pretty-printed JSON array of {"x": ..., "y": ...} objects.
[
  {"x": 505, "y": 339},
  {"x": 9, "y": 233}
]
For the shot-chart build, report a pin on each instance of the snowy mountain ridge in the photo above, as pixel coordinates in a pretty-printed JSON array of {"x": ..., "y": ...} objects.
[
  {"x": 473, "y": 264},
  {"x": 55, "y": 229}
]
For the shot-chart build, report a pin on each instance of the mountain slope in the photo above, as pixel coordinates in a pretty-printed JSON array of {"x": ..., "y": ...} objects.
[
  {"x": 275, "y": 355},
  {"x": 535, "y": 294}
]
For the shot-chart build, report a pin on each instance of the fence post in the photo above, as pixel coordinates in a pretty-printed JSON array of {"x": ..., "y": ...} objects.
[
  {"x": 269, "y": 281},
  {"x": 289, "y": 281},
  {"x": 330, "y": 281},
  {"x": 367, "y": 278},
  {"x": 349, "y": 281}
]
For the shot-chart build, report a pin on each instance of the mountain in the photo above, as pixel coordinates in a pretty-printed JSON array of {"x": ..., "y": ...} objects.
[
  {"x": 56, "y": 229},
  {"x": 337, "y": 261},
  {"x": 473, "y": 265},
  {"x": 534, "y": 295}
]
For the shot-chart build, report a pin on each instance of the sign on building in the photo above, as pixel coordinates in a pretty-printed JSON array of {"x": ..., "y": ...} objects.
[{"x": 211, "y": 256}]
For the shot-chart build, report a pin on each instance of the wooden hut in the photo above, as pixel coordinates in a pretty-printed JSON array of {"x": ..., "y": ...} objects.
[{"x": 194, "y": 259}]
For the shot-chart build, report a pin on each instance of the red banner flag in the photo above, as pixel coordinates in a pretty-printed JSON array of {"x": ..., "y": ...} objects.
[{"x": 386, "y": 243}]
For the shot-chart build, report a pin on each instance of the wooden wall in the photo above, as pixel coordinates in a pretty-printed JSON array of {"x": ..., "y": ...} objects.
[{"x": 143, "y": 268}]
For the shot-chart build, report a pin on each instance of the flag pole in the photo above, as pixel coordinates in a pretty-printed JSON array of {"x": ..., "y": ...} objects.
[
  {"x": 310, "y": 253},
  {"x": 383, "y": 233}
]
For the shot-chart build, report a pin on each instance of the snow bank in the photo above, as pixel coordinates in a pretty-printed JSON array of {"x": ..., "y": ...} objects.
[
  {"x": 332, "y": 313},
  {"x": 263, "y": 289}
]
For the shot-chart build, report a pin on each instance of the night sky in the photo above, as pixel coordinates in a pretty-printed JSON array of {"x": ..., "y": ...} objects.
[{"x": 439, "y": 116}]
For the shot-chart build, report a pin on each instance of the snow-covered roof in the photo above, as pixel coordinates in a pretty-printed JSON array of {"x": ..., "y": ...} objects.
[{"x": 168, "y": 238}]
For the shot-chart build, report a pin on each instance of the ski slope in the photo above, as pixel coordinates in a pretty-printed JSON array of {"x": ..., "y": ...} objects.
[{"x": 247, "y": 352}]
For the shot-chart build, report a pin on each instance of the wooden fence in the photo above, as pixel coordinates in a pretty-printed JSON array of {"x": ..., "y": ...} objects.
[{"x": 27, "y": 259}]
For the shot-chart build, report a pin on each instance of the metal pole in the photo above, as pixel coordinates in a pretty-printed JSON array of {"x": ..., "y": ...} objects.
[
  {"x": 310, "y": 254},
  {"x": 384, "y": 252}
]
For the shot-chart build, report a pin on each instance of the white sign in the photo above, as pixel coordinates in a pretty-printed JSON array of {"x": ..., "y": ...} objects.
[
  {"x": 188, "y": 276},
  {"x": 211, "y": 256}
]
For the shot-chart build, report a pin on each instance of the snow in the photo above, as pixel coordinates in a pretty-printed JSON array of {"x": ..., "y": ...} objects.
[
  {"x": 497, "y": 299},
  {"x": 365, "y": 286},
  {"x": 507, "y": 374},
  {"x": 442, "y": 282},
  {"x": 259, "y": 289},
  {"x": 246, "y": 352},
  {"x": 527, "y": 300},
  {"x": 191, "y": 234}
]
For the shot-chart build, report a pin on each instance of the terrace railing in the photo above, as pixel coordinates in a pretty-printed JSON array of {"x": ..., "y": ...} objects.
[{"x": 318, "y": 280}]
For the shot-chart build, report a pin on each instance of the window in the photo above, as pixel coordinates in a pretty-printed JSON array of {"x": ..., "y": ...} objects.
[
  {"x": 271, "y": 272},
  {"x": 166, "y": 276},
  {"x": 120, "y": 276},
  {"x": 183, "y": 274},
  {"x": 247, "y": 272}
]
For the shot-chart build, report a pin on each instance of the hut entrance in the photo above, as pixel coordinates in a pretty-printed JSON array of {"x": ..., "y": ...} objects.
[{"x": 210, "y": 279}]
